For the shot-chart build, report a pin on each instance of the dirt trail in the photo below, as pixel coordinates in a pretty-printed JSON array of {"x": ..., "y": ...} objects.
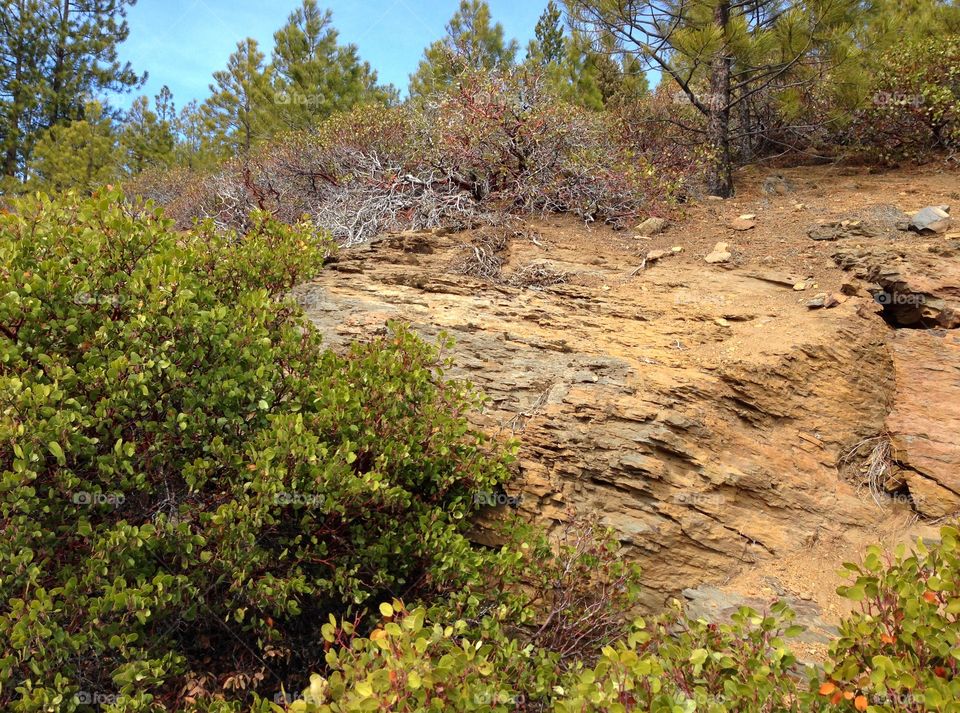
[{"x": 702, "y": 410}]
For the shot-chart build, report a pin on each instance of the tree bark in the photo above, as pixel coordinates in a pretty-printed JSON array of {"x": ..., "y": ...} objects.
[
  {"x": 59, "y": 68},
  {"x": 719, "y": 168}
]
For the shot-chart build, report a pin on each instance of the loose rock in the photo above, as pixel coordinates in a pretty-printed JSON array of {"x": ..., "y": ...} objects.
[
  {"x": 932, "y": 219},
  {"x": 720, "y": 254},
  {"x": 651, "y": 226},
  {"x": 776, "y": 185}
]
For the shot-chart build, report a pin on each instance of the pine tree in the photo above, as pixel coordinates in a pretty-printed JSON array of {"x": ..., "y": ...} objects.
[
  {"x": 147, "y": 137},
  {"x": 81, "y": 154},
  {"x": 195, "y": 147},
  {"x": 547, "y": 47},
  {"x": 56, "y": 55},
  {"x": 23, "y": 50},
  {"x": 721, "y": 54},
  {"x": 84, "y": 55},
  {"x": 241, "y": 96},
  {"x": 472, "y": 42},
  {"x": 314, "y": 76},
  {"x": 580, "y": 75}
]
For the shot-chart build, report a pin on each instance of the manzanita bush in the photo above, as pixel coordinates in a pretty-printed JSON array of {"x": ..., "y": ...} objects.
[
  {"x": 191, "y": 484},
  {"x": 914, "y": 106},
  {"x": 901, "y": 650},
  {"x": 201, "y": 506},
  {"x": 899, "y": 653}
]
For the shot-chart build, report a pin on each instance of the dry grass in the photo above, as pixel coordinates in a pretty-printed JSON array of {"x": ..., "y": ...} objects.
[
  {"x": 536, "y": 275},
  {"x": 874, "y": 465},
  {"x": 482, "y": 256}
]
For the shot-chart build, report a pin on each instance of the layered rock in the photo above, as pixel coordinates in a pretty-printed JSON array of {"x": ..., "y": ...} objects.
[
  {"x": 925, "y": 421},
  {"x": 918, "y": 285},
  {"x": 701, "y": 412}
]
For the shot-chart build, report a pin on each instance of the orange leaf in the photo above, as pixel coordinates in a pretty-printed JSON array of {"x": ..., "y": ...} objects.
[
  {"x": 827, "y": 688},
  {"x": 837, "y": 697},
  {"x": 887, "y": 639},
  {"x": 848, "y": 695},
  {"x": 930, "y": 597},
  {"x": 861, "y": 703}
]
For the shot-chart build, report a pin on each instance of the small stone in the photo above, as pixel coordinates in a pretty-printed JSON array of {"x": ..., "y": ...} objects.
[
  {"x": 800, "y": 286},
  {"x": 720, "y": 254},
  {"x": 714, "y": 198},
  {"x": 676, "y": 249},
  {"x": 850, "y": 287},
  {"x": 932, "y": 219},
  {"x": 834, "y": 299},
  {"x": 722, "y": 322},
  {"x": 776, "y": 185},
  {"x": 746, "y": 216},
  {"x": 742, "y": 224},
  {"x": 651, "y": 226},
  {"x": 655, "y": 255}
]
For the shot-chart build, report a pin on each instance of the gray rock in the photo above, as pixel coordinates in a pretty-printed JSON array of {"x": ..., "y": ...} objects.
[
  {"x": 876, "y": 221},
  {"x": 932, "y": 219},
  {"x": 651, "y": 226},
  {"x": 776, "y": 185}
]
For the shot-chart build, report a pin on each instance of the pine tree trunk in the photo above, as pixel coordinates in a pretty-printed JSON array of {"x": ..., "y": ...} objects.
[
  {"x": 719, "y": 169},
  {"x": 57, "y": 85}
]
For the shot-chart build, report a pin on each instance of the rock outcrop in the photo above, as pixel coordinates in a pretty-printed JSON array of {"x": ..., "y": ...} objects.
[
  {"x": 713, "y": 413},
  {"x": 700, "y": 411},
  {"x": 918, "y": 285}
]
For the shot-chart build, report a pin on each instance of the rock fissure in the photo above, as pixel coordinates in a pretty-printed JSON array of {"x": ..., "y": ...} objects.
[{"x": 700, "y": 410}]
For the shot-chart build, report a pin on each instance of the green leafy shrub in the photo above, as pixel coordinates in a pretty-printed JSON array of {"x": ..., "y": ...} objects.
[
  {"x": 914, "y": 107},
  {"x": 409, "y": 664},
  {"x": 900, "y": 653},
  {"x": 189, "y": 483},
  {"x": 682, "y": 665},
  {"x": 901, "y": 650}
]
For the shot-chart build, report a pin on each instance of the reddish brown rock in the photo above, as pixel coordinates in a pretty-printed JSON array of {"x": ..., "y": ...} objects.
[{"x": 925, "y": 420}]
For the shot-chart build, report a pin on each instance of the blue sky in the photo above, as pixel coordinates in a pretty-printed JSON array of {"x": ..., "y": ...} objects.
[{"x": 180, "y": 43}]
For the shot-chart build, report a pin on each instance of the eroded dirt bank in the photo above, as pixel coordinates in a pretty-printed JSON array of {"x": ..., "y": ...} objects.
[{"x": 704, "y": 410}]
